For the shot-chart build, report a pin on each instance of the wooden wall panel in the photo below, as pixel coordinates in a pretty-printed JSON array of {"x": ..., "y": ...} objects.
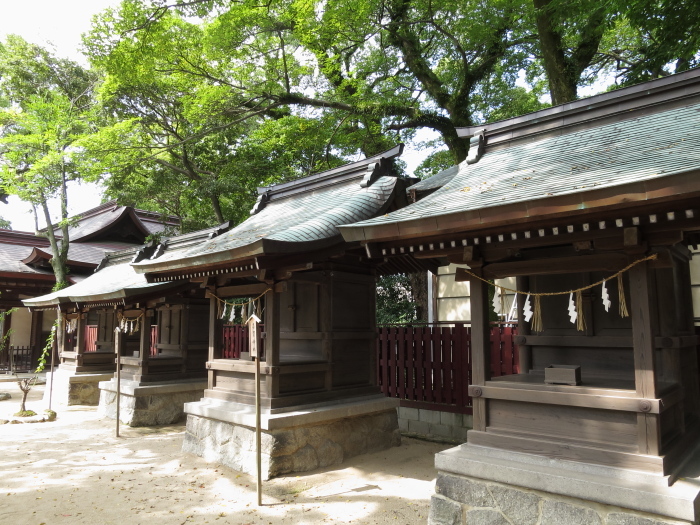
[{"x": 607, "y": 428}]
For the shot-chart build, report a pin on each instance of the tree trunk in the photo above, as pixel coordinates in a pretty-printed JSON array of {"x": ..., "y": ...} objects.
[
  {"x": 419, "y": 291},
  {"x": 562, "y": 88}
]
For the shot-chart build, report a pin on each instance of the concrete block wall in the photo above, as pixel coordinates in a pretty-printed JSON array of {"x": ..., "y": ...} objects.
[{"x": 433, "y": 424}]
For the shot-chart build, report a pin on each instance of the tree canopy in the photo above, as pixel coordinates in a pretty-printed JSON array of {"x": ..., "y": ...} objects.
[{"x": 46, "y": 106}]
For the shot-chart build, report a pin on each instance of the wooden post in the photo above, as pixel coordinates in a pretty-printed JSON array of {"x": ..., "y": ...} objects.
[
  {"x": 258, "y": 447},
  {"x": 214, "y": 336},
  {"x": 53, "y": 371},
  {"x": 649, "y": 441},
  {"x": 480, "y": 344},
  {"x": 118, "y": 347},
  {"x": 80, "y": 333},
  {"x": 145, "y": 340}
]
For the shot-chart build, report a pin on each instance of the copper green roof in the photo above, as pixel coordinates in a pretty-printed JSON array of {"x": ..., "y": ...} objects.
[
  {"x": 636, "y": 157},
  {"x": 294, "y": 217}
]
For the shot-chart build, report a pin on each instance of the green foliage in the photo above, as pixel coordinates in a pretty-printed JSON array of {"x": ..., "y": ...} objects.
[
  {"x": 5, "y": 224},
  {"x": 395, "y": 303},
  {"x": 434, "y": 163},
  {"x": 45, "y": 108},
  {"x": 6, "y": 336},
  {"x": 46, "y": 352}
]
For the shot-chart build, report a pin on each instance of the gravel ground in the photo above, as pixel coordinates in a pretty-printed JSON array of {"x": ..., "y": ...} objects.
[{"x": 75, "y": 471}]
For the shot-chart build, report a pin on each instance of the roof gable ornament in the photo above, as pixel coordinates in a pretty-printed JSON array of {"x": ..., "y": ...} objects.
[
  {"x": 372, "y": 174},
  {"x": 477, "y": 144},
  {"x": 263, "y": 199},
  {"x": 223, "y": 228}
]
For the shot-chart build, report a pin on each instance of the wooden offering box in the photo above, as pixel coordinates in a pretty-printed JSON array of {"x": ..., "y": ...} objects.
[{"x": 562, "y": 375}]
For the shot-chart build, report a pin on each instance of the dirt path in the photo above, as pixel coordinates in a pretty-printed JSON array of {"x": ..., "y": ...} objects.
[{"x": 74, "y": 471}]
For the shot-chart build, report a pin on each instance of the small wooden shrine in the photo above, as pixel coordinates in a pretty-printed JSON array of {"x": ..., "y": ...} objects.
[
  {"x": 25, "y": 268},
  {"x": 591, "y": 206},
  {"x": 314, "y": 293},
  {"x": 158, "y": 331}
]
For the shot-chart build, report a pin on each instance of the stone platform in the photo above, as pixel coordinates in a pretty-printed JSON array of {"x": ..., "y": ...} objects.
[
  {"x": 147, "y": 404},
  {"x": 296, "y": 440},
  {"x": 74, "y": 388},
  {"x": 486, "y": 485}
]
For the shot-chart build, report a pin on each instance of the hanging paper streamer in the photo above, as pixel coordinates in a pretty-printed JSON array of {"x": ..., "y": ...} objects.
[
  {"x": 621, "y": 297},
  {"x": 497, "y": 301},
  {"x": 573, "y": 315},
  {"x": 527, "y": 309},
  {"x": 605, "y": 297},
  {"x": 513, "y": 312},
  {"x": 232, "y": 316}
]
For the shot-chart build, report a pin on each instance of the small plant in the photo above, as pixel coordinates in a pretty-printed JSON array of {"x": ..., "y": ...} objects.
[{"x": 26, "y": 383}]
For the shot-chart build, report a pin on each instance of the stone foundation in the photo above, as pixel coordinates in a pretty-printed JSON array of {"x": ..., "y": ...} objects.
[
  {"x": 480, "y": 485},
  {"x": 74, "y": 388},
  {"x": 434, "y": 424},
  {"x": 295, "y": 441},
  {"x": 142, "y": 405}
]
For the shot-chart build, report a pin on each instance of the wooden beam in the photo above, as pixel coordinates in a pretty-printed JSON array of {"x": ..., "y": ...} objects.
[
  {"x": 244, "y": 290},
  {"x": 583, "y": 263}
]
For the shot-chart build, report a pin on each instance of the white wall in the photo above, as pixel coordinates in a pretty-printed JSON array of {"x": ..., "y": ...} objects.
[
  {"x": 452, "y": 297},
  {"x": 21, "y": 326}
]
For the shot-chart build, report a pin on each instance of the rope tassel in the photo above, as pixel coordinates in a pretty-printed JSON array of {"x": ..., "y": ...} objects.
[
  {"x": 621, "y": 297},
  {"x": 580, "y": 321},
  {"x": 537, "y": 317}
]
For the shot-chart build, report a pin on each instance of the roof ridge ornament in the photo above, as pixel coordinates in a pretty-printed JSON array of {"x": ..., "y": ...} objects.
[
  {"x": 263, "y": 199},
  {"x": 477, "y": 145},
  {"x": 372, "y": 173}
]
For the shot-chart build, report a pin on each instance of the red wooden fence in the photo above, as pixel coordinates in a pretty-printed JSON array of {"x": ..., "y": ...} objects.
[
  {"x": 430, "y": 366},
  {"x": 234, "y": 341}
]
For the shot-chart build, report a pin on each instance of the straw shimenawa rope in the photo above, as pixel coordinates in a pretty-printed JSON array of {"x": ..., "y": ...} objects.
[
  {"x": 581, "y": 323},
  {"x": 582, "y": 289}
]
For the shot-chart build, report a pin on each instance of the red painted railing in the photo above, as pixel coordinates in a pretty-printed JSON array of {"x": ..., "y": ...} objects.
[
  {"x": 154, "y": 339},
  {"x": 234, "y": 341},
  {"x": 91, "y": 338},
  {"x": 430, "y": 366}
]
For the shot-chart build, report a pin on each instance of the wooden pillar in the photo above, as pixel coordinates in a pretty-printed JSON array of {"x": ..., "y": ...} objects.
[
  {"x": 480, "y": 345},
  {"x": 685, "y": 358},
  {"x": 325, "y": 298},
  {"x": 184, "y": 335},
  {"x": 643, "y": 331},
  {"x": 272, "y": 328},
  {"x": 34, "y": 335},
  {"x": 145, "y": 340},
  {"x": 61, "y": 333},
  {"x": 272, "y": 341},
  {"x": 80, "y": 333},
  {"x": 214, "y": 339}
]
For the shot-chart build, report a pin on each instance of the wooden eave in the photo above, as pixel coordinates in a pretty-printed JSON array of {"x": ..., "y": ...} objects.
[
  {"x": 574, "y": 207},
  {"x": 39, "y": 256}
]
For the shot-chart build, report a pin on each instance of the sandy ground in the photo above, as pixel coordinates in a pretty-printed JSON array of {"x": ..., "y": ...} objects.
[{"x": 74, "y": 471}]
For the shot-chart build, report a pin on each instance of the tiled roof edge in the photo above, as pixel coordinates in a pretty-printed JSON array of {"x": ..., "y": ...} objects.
[{"x": 623, "y": 101}]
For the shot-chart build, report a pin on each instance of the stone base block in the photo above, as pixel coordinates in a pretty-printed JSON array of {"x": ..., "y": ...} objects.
[
  {"x": 480, "y": 485},
  {"x": 74, "y": 388},
  {"x": 144, "y": 404},
  {"x": 295, "y": 441}
]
